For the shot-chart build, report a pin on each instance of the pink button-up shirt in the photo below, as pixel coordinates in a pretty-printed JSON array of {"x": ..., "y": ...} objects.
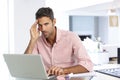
[{"x": 67, "y": 51}]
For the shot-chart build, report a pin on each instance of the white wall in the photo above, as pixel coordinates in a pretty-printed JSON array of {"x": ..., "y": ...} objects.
[
  {"x": 3, "y": 26},
  {"x": 113, "y": 35},
  {"x": 4, "y": 39},
  {"x": 24, "y": 17},
  {"x": 108, "y": 34}
]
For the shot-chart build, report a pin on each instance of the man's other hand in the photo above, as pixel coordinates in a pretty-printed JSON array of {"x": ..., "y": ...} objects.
[{"x": 54, "y": 70}]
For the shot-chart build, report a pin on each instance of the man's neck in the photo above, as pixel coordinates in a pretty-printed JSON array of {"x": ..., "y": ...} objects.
[{"x": 52, "y": 39}]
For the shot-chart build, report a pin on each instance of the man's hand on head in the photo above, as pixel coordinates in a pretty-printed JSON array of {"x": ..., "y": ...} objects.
[
  {"x": 54, "y": 70},
  {"x": 34, "y": 32}
]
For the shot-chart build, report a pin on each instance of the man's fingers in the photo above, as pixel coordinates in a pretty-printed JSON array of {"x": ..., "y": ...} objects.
[
  {"x": 55, "y": 71},
  {"x": 61, "y": 72},
  {"x": 34, "y": 31},
  {"x": 36, "y": 22},
  {"x": 50, "y": 70},
  {"x": 58, "y": 71},
  {"x": 34, "y": 26}
]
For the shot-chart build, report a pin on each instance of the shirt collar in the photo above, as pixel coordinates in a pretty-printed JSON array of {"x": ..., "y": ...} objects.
[{"x": 58, "y": 34}]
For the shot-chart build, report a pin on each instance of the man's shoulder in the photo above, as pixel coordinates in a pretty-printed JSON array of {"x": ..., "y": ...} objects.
[
  {"x": 69, "y": 33},
  {"x": 66, "y": 32}
]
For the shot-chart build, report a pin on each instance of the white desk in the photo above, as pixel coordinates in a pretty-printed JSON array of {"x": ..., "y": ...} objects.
[{"x": 100, "y": 76}]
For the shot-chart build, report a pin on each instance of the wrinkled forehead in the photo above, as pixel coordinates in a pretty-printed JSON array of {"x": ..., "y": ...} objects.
[{"x": 43, "y": 20}]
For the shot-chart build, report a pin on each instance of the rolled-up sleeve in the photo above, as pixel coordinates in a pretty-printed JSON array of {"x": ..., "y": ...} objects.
[{"x": 81, "y": 55}]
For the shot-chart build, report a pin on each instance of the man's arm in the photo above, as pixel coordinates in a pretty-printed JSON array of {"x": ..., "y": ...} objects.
[
  {"x": 30, "y": 47},
  {"x": 75, "y": 69},
  {"x": 34, "y": 32},
  {"x": 54, "y": 70}
]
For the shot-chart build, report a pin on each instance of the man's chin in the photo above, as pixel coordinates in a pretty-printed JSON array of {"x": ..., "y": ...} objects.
[{"x": 45, "y": 36}]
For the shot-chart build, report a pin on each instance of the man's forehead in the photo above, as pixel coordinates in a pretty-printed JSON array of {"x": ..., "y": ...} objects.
[
  {"x": 44, "y": 19},
  {"x": 41, "y": 23}
]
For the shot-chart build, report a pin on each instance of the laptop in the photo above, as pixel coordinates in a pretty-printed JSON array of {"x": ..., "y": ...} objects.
[{"x": 26, "y": 66}]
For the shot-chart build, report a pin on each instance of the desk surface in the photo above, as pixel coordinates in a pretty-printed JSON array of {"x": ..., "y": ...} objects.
[{"x": 100, "y": 76}]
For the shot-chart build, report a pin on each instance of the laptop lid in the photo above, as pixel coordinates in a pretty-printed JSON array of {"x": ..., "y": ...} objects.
[{"x": 25, "y": 66}]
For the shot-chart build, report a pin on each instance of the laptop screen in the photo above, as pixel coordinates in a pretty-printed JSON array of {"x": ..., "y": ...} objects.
[{"x": 25, "y": 66}]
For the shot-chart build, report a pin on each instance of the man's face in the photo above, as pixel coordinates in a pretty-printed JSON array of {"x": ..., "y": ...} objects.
[{"x": 46, "y": 26}]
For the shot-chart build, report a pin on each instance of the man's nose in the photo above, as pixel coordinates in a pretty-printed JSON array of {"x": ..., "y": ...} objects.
[{"x": 43, "y": 28}]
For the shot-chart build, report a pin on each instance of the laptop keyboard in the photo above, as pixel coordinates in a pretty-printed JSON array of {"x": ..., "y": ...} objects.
[{"x": 112, "y": 71}]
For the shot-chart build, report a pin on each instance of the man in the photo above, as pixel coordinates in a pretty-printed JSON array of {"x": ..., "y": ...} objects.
[{"x": 62, "y": 51}]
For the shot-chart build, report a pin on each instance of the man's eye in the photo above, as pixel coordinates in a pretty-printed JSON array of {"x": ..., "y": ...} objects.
[
  {"x": 46, "y": 24},
  {"x": 39, "y": 25}
]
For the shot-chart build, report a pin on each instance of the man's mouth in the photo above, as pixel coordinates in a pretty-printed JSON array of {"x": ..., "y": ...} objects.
[{"x": 45, "y": 33}]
